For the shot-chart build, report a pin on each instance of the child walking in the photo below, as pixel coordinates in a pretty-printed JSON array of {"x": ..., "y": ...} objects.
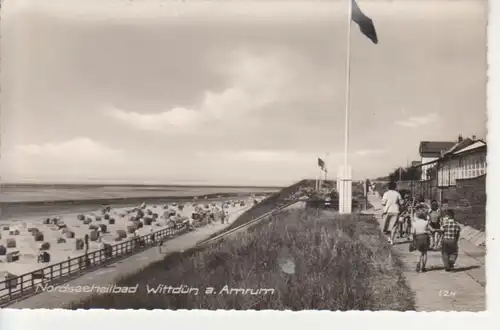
[
  {"x": 420, "y": 230},
  {"x": 435, "y": 225}
]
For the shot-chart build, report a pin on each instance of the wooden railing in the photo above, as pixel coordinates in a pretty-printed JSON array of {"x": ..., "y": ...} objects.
[{"x": 24, "y": 285}]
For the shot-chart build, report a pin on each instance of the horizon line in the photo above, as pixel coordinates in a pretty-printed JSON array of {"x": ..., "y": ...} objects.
[{"x": 25, "y": 183}]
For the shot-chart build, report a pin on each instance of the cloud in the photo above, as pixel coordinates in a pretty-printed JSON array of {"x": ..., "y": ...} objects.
[
  {"x": 285, "y": 156},
  {"x": 272, "y": 156},
  {"x": 176, "y": 118},
  {"x": 76, "y": 158},
  {"x": 369, "y": 152},
  {"x": 254, "y": 81},
  {"x": 418, "y": 121},
  {"x": 78, "y": 148}
]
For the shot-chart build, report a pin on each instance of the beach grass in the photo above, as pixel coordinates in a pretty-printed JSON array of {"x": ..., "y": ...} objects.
[{"x": 295, "y": 260}]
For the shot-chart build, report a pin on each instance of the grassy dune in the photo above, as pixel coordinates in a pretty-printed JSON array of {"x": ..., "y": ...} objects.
[
  {"x": 284, "y": 196},
  {"x": 270, "y": 203},
  {"x": 327, "y": 262}
]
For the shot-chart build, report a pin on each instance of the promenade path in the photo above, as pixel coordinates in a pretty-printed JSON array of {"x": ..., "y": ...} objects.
[
  {"x": 110, "y": 274},
  {"x": 437, "y": 290}
]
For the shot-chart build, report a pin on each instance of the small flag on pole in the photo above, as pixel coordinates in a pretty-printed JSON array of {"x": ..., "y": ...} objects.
[
  {"x": 321, "y": 163},
  {"x": 364, "y": 22}
]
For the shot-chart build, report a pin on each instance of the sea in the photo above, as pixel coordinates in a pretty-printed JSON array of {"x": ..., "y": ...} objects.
[{"x": 17, "y": 200}]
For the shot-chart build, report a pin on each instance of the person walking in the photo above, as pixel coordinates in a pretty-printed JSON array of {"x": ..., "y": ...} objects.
[
  {"x": 435, "y": 224},
  {"x": 449, "y": 246},
  {"x": 99, "y": 234},
  {"x": 421, "y": 241},
  {"x": 391, "y": 201},
  {"x": 152, "y": 235},
  {"x": 86, "y": 241},
  {"x": 223, "y": 216},
  {"x": 136, "y": 239}
]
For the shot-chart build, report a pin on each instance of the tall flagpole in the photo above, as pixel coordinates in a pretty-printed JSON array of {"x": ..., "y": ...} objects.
[
  {"x": 325, "y": 170},
  {"x": 326, "y": 167},
  {"x": 320, "y": 175},
  {"x": 345, "y": 173},
  {"x": 347, "y": 85}
]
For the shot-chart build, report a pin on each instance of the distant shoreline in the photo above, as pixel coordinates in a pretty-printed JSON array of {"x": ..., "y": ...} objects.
[
  {"x": 99, "y": 185},
  {"x": 10, "y": 210}
]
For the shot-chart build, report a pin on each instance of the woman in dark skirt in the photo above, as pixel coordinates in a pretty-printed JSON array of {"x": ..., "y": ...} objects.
[{"x": 421, "y": 239}]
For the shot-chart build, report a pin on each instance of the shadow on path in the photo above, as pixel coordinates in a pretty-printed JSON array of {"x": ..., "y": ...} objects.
[
  {"x": 467, "y": 281},
  {"x": 454, "y": 270}
]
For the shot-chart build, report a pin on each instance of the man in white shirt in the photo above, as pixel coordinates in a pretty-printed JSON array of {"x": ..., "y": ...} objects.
[{"x": 391, "y": 201}]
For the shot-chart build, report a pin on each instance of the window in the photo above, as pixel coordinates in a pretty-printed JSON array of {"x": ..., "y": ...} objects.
[
  {"x": 472, "y": 166},
  {"x": 468, "y": 168},
  {"x": 440, "y": 175},
  {"x": 454, "y": 164},
  {"x": 446, "y": 175},
  {"x": 482, "y": 164}
]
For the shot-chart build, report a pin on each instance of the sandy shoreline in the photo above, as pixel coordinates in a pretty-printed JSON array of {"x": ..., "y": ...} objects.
[
  {"x": 63, "y": 247},
  {"x": 17, "y": 210}
]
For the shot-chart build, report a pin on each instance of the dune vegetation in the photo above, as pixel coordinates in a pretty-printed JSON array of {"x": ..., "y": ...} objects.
[{"x": 294, "y": 260}]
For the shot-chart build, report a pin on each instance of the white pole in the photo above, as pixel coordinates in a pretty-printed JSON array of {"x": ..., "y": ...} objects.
[
  {"x": 319, "y": 179},
  {"x": 316, "y": 184},
  {"x": 345, "y": 188},
  {"x": 347, "y": 85},
  {"x": 325, "y": 169}
]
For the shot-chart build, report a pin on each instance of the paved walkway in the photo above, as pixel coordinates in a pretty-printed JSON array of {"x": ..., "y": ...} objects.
[
  {"x": 110, "y": 274},
  {"x": 437, "y": 290}
]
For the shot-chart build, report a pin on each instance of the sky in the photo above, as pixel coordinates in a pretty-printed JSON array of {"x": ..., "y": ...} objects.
[{"x": 244, "y": 92}]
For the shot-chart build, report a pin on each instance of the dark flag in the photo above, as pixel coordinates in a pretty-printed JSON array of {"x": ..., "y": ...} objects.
[
  {"x": 364, "y": 22},
  {"x": 321, "y": 163}
]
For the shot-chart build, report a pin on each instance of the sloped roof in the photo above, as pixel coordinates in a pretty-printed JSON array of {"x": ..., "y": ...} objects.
[
  {"x": 459, "y": 146},
  {"x": 416, "y": 163},
  {"x": 435, "y": 147},
  {"x": 475, "y": 145}
]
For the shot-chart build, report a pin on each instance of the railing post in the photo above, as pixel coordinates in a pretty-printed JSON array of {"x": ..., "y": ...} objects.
[{"x": 123, "y": 248}]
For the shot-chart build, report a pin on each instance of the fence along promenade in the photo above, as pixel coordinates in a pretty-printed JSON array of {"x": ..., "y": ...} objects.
[{"x": 22, "y": 286}]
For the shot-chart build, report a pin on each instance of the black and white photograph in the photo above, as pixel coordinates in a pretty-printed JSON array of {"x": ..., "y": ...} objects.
[{"x": 243, "y": 155}]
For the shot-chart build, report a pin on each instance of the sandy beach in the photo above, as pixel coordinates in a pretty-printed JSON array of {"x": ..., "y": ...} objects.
[{"x": 62, "y": 230}]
